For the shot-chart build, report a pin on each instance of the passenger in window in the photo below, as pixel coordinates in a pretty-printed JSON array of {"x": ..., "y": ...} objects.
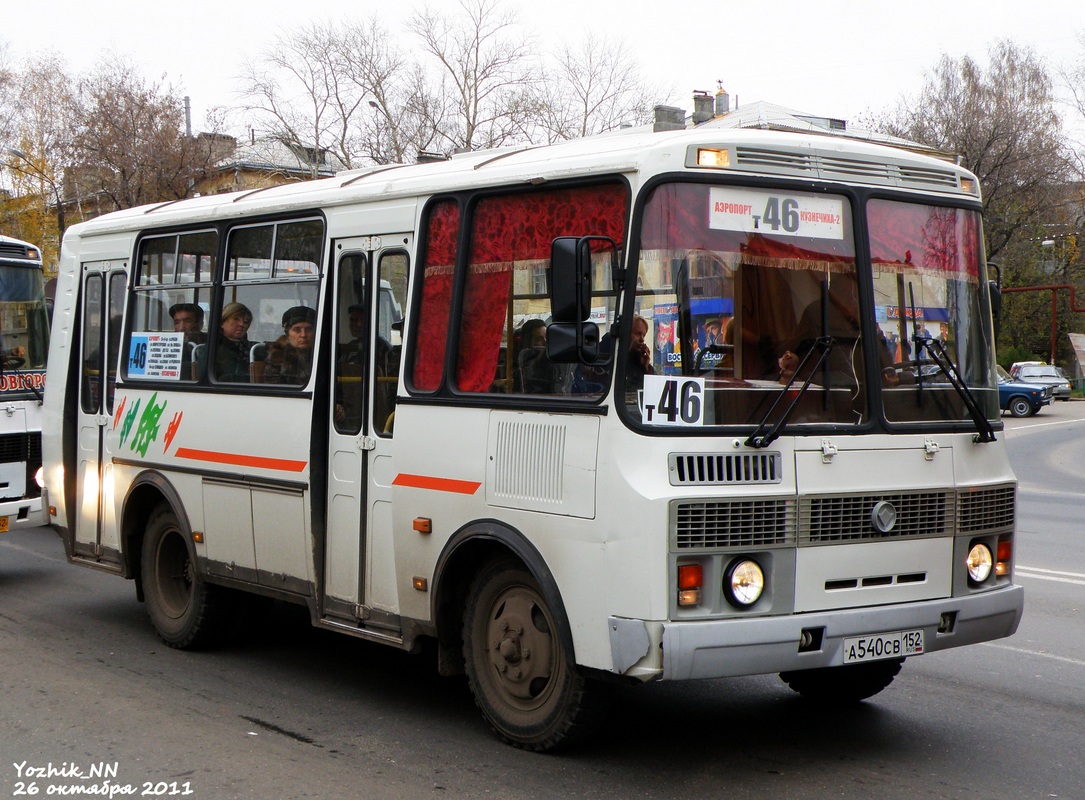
[
  {"x": 639, "y": 358},
  {"x": 232, "y": 355},
  {"x": 290, "y": 357},
  {"x": 188, "y": 319},
  {"x": 537, "y": 373}
]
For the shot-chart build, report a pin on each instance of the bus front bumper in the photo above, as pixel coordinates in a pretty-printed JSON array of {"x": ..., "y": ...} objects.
[{"x": 762, "y": 645}]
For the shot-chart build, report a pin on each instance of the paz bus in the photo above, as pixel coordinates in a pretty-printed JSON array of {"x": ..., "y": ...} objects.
[
  {"x": 24, "y": 345},
  {"x": 660, "y": 406}
]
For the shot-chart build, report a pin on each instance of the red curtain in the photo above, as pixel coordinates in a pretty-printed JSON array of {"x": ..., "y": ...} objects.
[
  {"x": 923, "y": 237},
  {"x": 519, "y": 229},
  {"x": 432, "y": 331},
  {"x": 676, "y": 216}
]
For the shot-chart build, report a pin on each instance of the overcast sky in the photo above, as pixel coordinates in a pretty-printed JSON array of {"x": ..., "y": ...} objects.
[{"x": 836, "y": 58}]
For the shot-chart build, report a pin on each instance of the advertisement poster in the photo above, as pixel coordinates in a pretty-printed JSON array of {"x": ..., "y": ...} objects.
[{"x": 667, "y": 351}]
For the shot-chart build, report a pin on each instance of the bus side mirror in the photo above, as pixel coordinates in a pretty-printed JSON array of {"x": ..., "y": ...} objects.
[
  {"x": 572, "y": 342},
  {"x": 996, "y": 298},
  {"x": 571, "y": 338},
  {"x": 570, "y": 279}
]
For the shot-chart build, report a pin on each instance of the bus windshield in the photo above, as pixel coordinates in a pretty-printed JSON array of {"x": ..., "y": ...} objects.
[
  {"x": 745, "y": 291},
  {"x": 24, "y": 321}
]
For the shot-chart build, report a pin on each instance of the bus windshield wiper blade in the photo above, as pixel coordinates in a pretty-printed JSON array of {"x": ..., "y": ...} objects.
[
  {"x": 760, "y": 439},
  {"x": 937, "y": 352}
]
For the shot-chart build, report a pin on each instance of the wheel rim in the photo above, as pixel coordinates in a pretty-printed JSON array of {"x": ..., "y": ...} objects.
[
  {"x": 521, "y": 647},
  {"x": 173, "y": 574}
]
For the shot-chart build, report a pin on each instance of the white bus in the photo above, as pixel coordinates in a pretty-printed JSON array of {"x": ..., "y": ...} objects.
[
  {"x": 799, "y": 473},
  {"x": 24, "y": 346}
]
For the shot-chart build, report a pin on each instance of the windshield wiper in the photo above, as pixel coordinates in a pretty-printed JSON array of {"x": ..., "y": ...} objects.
[
  {"x": 759, "y": 439},
  {"x": 939, "y": 356}
]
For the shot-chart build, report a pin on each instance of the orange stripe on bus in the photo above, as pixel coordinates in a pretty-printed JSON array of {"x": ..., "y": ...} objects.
[
  {"x": 237, "y": 460},
  {"x": 436, "y": 484}
]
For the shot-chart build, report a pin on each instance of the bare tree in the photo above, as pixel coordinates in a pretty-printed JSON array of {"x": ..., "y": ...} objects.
[
  {"x": 487, "y": 67},
  {"x": 402, "y": 115},
  {"x": 1002, "y": 122},
  {"x": 303, "y": 95},
  {"x": 593, "y": 88},
  {"x": 131, "y": 147}
]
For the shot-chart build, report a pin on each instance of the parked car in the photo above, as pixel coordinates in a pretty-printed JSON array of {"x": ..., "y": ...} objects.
[
  {"x": 1044, "y": 374},
  {"x": 1021, "y": 399}
]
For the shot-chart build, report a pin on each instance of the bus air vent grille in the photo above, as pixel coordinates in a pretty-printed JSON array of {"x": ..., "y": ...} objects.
[
  {"x": 987, "y": 509},
  {"x": 774, "y": 160},
  {"x": 854, "y": 169},
  {"x": 710, "y": 469},
  {"x": 8, "y": 250},
  {"x": 733, "y": 523},
  {"x": 920, "y": 176},
  {"x": 530, "y": 461},
  {"x": 20, "y": 447},
  {"x": 840, "y": 518}
]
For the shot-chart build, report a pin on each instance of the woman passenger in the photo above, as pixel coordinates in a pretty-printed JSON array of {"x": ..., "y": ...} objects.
[
  {"x": 233, "y": 346},
  {"x": 290, "y": 357}
]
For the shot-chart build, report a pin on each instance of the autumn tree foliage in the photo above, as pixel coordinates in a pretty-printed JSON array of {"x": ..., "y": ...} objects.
[{"x": 130, "y": 145}]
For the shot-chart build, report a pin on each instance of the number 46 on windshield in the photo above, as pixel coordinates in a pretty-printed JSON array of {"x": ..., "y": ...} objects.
[{"x": 673, "y": 400}]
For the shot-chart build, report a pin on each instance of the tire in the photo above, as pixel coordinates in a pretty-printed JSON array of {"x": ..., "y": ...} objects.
[
  {"x": 186, "y": 612},
  {"x": 1020, "y": 407},
  {"x": 523, "y": 679},
  {"x": 843, "y": 685}
]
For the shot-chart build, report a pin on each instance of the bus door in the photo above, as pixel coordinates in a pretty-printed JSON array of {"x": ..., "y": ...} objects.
[
  {"x": 370, "y": 293},
  {"x": 102, "y": 306}
]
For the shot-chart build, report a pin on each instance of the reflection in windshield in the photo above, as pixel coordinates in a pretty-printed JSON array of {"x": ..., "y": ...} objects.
[
  {"x": 24, "y": 322},
  {"x": 736, "y": 284}
]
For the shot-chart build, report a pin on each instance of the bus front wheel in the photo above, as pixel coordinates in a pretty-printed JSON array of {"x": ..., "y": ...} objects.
[
  {"x": 847, "y": 684},
  {"x": 523, "y": 679},
  {"x": 183, "y": 609}
]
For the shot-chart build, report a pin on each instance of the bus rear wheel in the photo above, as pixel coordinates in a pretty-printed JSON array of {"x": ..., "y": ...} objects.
[
  {"x": 523, "y": 679},
  {"x": 847, "y": 684},
  {"x": 183, "y": 609}
]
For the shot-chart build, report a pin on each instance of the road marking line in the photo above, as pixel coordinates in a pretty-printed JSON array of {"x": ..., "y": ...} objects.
[
  {"x": 1051, "y": 656},
  {"x": 1051, "y": 571},
  {"x": 1017, "y": 428},
  {"x": 1024, "y": 574}
]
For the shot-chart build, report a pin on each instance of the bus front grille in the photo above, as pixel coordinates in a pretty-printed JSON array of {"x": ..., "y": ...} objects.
[
  {"x": 986, "y": 509},
  {"x": 733, "y": 523},
  {"x": 839, "y": 518},
  {"x": 706, "y": 469}
]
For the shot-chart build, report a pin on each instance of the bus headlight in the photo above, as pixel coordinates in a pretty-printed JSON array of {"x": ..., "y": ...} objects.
[
  {"x": 39, "y": 477},
  {"x": 743, "y": 582},
  {"x": 980, "y": 561}
]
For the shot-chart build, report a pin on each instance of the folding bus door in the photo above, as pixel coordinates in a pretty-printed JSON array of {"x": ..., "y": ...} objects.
[{"x": 101, "y": 310}]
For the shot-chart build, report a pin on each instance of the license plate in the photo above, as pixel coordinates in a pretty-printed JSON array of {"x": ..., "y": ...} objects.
[
  {"x": 3, "y": 524},
  {"x": 883, "y": 645}
]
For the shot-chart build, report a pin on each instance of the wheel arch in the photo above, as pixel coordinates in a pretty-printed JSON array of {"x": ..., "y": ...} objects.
[
  {"x": 464, "y": 553},
  {"x": 148, "y": 491}
]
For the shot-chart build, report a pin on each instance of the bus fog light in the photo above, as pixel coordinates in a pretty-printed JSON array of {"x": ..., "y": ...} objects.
[
  {"x": 744, "y": 582},
  {"x": 980, "y": 561},
  {"x": 689, "y": 597}
]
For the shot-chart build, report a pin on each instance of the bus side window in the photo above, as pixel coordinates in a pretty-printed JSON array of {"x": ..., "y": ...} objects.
[{"x": 394, "y": 271}]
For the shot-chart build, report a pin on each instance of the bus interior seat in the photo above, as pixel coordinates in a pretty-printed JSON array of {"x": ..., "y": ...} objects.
[
  {"x": 257, "y": 359},
  {"x": 198, "y": 358}
]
